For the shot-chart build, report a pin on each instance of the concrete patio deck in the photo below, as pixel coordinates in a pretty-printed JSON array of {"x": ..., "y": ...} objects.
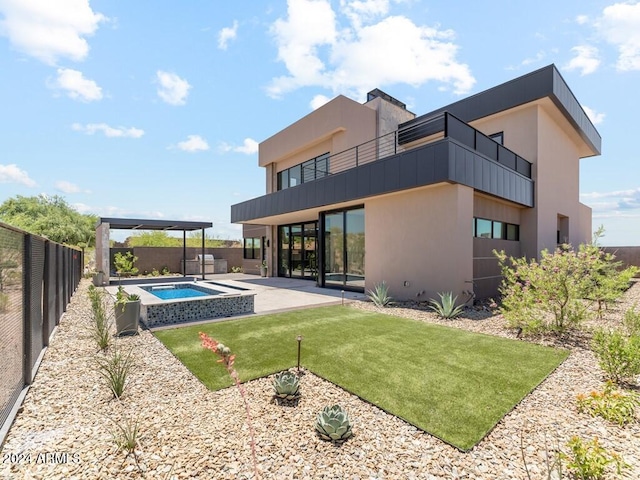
[{"x": 273, "y": 294}]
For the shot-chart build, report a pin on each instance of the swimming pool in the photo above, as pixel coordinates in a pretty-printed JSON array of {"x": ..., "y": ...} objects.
[
  {"x": 175, "y": 303},
  {"x": 180, "y": 290}
]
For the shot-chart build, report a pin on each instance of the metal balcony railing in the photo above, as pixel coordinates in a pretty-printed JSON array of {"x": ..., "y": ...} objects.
[{"x": 395, "y": 142}]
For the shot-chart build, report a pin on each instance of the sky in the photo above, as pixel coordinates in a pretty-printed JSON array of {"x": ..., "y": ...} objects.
[{"x": 154, "y": 109}]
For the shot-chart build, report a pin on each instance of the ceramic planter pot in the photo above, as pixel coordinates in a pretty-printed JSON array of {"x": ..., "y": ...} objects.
[
  {"x": 127, "y": 317},
  {"x": 98, "y": 279}
]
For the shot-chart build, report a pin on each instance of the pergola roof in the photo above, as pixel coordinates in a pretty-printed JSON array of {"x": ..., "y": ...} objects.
[{"x": 137, "y": 224}]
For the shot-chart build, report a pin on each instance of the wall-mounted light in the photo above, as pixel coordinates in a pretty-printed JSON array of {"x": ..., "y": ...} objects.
[{"x": 267, "y": 243}]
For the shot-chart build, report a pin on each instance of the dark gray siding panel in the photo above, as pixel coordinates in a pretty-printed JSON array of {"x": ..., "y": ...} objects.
[
  {"x": 408, "y": 170},
  {"x": 442, "y": 161}
]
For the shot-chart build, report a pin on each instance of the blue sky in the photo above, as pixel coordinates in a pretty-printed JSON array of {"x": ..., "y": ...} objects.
[{"x": 154, "y": 109}]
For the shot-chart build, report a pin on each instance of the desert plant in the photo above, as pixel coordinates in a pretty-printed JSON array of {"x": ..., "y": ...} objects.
[
  {"x": 380, "y": 295},
  {"x": 631, "y": 321},
  {"x": 610, "y": 404},
  {"x": 617, "y": 353},
  {"x": 333, "y": 424},
  {"x": 552, "y": 459},
  {"x": 446, "y": 306},
  {"x": 124, "y": 263},
  {"x": 236, "y": 269},
  {"x": 286, "y": 385},
  {"x": 228, "y": 359},
  {"x": 115, "y": 368},
  {"x": 589, "y": 460},
  {"x": 100, "y": 325}
]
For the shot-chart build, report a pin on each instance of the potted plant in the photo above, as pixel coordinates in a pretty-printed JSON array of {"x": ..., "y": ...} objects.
[
  {"x": 127, "y": 308},
  {"x": 263, "y": 269},
  {"x": 98, "y": 279}
]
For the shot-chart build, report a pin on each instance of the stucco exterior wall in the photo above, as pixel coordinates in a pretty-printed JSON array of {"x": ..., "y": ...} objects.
[
  {"x": 422, "y": 237},
  {"x": 336, "y": 126}
]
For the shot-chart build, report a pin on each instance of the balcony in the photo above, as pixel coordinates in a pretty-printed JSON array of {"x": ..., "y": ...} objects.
[{"x": 455, "y": 152}]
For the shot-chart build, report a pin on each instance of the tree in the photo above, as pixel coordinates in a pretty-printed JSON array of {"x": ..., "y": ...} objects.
[{"x": 50, "y": 217}]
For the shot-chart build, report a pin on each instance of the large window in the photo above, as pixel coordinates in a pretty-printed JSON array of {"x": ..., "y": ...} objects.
[
  {"x": 252, "y": 248},
  {"x": 304, "y": 172},
  {"x": 483, "y": 228}
]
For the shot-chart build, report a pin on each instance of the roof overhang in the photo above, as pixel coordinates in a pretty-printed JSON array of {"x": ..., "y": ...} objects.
[
  {"x": 138, "y": 224},
  {"x": 545, "y": 82}
]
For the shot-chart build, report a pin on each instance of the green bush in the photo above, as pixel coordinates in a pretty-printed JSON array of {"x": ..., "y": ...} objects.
[
  {"x": 618, "y": 354},
  {"x": 124, "y": 263},
  {"x": 115, "y": 368},
  {"x": 589, "y": 460},
  {"x": 631, "y": 321},
  {"x": 612, "y": 405},
  {"x": 555, "y": 293}
]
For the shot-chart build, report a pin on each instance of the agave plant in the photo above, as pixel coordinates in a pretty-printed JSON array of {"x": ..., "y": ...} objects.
[
  {"x": 333, "y": 424},
  {"x": 286, "y": 385},
  {"x": 380, "y": 295},
  {"x": 446, "y": 307}
]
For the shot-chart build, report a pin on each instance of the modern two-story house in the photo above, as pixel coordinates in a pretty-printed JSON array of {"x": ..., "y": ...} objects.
[{"x": 357, "y": 194}]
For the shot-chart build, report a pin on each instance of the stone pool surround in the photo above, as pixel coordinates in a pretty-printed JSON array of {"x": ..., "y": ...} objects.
[{"x": 155, "y": 312}]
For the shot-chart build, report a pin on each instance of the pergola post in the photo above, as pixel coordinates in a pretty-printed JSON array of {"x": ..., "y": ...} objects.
[
  {"x": 184, "y": 253},
  {"x": 203, "y": 270}
]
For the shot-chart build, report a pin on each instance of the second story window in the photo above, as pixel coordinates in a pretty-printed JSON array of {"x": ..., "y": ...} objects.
[{"x": 304, "y": 172}]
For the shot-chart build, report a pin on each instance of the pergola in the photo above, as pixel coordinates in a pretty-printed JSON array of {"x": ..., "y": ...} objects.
[{"x": 105, "y": 225}]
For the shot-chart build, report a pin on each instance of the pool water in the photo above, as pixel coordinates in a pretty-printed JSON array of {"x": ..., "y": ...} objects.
[{"x": 182, "y": 291}]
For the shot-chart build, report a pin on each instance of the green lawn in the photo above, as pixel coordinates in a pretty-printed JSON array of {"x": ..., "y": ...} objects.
[{"x": 451, "y": 383}]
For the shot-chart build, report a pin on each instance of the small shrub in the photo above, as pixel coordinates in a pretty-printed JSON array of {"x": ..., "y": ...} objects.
[
  {"x": 631, "y": 321},
  {"x": 4, "y": 302},
  {"x": 155, "y": 272},
  {"x": 446, "y": 306},
  {"x": 618, "y": 354},
  {"x": 115, "y": 368},
  {"x": 165, "y": 271},
  {"x": 610, "y": 404},
  {"x": 126, "y": 435},
  {"x": 124, "y": 263},
  {"x": 380, "y": 295},
  {"x": 236, "y": 269},
  {"x": 333, "y": 424},
  {"x": 101, "y": 320},
  {"x": 589, "y": 460}
]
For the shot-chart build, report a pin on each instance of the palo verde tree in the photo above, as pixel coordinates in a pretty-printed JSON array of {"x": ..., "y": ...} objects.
[
  {"x": 556, "y": 292},
  {"x": 50, "y": 217}
]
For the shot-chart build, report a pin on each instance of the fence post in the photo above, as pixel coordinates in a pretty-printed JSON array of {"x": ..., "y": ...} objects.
[{"x": 26, "y": 311}]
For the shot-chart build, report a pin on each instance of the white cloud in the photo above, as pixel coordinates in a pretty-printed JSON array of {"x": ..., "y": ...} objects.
[
  {"x": 613, "y": 204},
  {"x": 586, "y": 59},
  {"x": 354, "y": 50},
  {"x": 76, "y": 86},
  {"x": 620, "y": 26},
  {"x": 173, "y": 89},
  {"x": 12, "y": 174},
  {"x": 582, "y": 19},
  {"x": 249, "y": 147},
  {"x": 318, "y": 101},
  {"x": 596, "y": 117},
  {"x": 68, "y": 187},
  {"x": 49, "y": 30},
  {"x": 193, "y": 144},
  {"x": 91, "y": 128},
  {"x": 227, "y": 34}
]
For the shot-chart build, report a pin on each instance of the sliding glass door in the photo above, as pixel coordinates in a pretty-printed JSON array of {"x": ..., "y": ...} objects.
[{"x": 343, "y": 235}]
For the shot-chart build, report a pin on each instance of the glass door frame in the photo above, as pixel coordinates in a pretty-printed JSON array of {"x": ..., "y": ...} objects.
[
  {"x": 344, "y": 285},
  {"x": 304, "y": 257}
]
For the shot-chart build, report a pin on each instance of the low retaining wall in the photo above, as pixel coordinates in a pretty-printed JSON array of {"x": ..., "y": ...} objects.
[{"x": 194, "y": 310}]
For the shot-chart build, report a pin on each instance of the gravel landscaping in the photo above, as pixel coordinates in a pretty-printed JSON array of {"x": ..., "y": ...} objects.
[{"x": 187, "y": 431}]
